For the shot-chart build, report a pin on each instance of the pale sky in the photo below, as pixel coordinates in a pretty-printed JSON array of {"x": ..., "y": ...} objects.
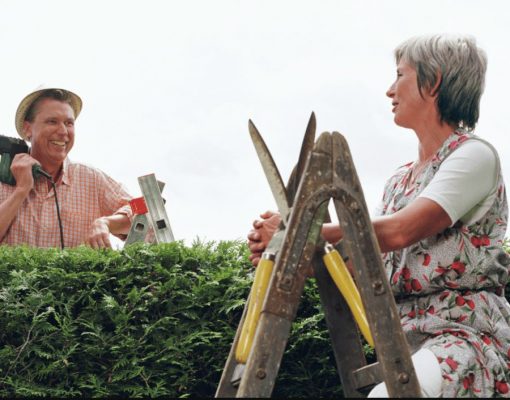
[{"x": 169, "y": 86}]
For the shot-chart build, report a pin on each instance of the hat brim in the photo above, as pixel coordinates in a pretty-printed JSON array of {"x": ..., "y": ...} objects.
[{"x": 27, "y": 102}]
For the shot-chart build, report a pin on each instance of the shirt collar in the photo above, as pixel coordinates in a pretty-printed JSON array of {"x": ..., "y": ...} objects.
[{"x": 66, "y": 177}]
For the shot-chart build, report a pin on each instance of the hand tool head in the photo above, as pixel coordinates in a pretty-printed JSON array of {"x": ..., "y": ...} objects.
[{"x": 284, "y": 196}]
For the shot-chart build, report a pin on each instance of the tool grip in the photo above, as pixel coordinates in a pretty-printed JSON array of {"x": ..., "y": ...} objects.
[
  {"x": 344, "y": 282},
  {"x": 257, "y": 296}
]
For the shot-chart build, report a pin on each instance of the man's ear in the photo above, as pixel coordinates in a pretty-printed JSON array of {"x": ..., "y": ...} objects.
[{"x": 27, "y": 130}]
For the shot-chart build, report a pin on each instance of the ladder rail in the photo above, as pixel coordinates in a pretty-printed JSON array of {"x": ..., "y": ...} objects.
[{"x": 330, "y": 174}]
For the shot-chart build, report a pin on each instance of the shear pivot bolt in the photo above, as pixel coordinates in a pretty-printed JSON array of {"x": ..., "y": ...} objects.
[
  {"x": 403, "y": 377},
  {"x": 261, "y": 373}
]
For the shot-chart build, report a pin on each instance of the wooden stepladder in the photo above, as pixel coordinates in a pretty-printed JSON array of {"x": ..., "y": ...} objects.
[
  {"x": 149, "y": 211},
  {"x": 329, "y": 174}
]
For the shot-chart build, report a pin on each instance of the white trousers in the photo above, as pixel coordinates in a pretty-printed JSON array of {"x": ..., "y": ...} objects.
[{"x": 428, "y": 373}]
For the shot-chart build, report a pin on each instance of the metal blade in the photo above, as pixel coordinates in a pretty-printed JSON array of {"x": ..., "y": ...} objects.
[
  {"x": 271, "y": 171},
  {"x": 306, "y": 149}
]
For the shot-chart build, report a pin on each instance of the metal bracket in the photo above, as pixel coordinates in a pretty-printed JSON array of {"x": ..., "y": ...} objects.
[{"x": 149, "y": 211}]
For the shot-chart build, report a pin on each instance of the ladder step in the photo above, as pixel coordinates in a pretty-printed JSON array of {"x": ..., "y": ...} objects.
[{"x": 367, "y": 376}]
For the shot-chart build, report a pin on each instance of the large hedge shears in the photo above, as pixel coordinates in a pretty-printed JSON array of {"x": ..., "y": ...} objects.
[{"x": 284, "y": 197}]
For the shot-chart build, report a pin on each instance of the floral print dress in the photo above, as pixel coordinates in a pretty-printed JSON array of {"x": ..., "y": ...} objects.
[{"x": 449, "y": 288}]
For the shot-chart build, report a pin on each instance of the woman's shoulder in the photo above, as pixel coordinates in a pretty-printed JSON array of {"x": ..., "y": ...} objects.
[{"x": 476, "y": 151}]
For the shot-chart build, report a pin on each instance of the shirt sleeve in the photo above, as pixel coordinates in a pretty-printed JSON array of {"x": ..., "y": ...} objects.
[
  {"x": 466, "y": 181},
  {"x": 115, "y": 199}
]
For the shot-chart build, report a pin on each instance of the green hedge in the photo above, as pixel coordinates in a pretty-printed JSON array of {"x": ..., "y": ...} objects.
[{"x": 149, "y": 320}]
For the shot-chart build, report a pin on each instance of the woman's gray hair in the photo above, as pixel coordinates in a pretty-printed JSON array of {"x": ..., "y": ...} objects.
[{"x": 459, "y": 65}]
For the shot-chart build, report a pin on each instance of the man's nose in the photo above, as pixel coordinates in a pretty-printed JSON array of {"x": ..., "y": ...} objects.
[{"x": 62, "y": 128}]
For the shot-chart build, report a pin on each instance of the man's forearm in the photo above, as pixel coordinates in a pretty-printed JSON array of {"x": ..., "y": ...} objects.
[{"x": 9, "y": 208}]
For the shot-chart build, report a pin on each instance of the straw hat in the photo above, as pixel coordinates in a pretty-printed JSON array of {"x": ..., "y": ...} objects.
[{"x": 27, "y": 102}]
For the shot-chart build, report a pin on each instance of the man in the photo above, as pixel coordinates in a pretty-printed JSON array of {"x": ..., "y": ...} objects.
[{"x": 92, "y": 205}]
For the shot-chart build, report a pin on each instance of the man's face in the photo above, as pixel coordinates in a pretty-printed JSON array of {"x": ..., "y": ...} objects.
[{"x": 51, "y": 133}]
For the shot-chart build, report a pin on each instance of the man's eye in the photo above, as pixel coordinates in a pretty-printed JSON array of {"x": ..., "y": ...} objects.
[{"x": 70, "y": 123}]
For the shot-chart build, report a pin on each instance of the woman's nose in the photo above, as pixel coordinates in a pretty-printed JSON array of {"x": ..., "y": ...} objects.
[{"x": 391, "y": 90}]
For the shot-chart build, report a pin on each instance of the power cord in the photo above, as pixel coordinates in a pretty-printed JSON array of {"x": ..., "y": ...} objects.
[
  {"x": 39, "y": 170},
  {"x": 58, "y": 214}
]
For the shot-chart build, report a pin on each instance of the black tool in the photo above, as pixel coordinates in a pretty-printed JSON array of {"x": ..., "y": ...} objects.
[{"x": 9, "y": 147}]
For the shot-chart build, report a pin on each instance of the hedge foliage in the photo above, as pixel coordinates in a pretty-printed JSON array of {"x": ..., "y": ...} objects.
[{"x": 148, "y": 320}]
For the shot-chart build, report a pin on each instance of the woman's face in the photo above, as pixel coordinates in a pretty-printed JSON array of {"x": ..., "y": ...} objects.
[{"x": 409, "y": 107}]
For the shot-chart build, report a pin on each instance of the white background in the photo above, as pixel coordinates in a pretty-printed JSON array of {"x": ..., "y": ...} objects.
[{"x": 169, "y": 86}]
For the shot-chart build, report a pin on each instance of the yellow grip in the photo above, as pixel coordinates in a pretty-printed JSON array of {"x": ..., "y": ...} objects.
[
  {"x": 344, "y": 282},
  {"x": 258, "y": 293}
]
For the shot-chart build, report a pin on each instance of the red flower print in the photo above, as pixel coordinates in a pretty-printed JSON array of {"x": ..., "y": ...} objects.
[
  {"x": 486, "y": 339},
  {"x": 444, "y": 295},
  {"x": 452, "y": 285},
  {"x": 459, "y": 300},
  {"x": 502, "y": 387},
  {"x": 407, "y": 287},
  {"x": 462, "y": 318},
  {"x": 406, "y": 273},
  {"x": 462, "y": 138},
  {"x": 451, "y": 363},
  {"x": 453, "y": 144},
  {"x": 395, "y": 277},
  {"x": 431, "y": 310},
  {"x": 468, "y": 380},
  {"x": 459, "y": 267},
  {"x": 479, "y": 241},
  {"x": 426, "y": 260},
  {"x": 411, "y": 314},
  {"x": 471, "y": 304},
  {"x": 416, "y": 285},
  {"x": 440, "y": 270}
]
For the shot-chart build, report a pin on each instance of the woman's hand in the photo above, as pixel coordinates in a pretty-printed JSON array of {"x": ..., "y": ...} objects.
[{"x": 262, "y": 232}]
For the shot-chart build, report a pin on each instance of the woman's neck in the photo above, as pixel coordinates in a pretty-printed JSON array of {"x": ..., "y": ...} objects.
[{"x": 431, "y": 138}]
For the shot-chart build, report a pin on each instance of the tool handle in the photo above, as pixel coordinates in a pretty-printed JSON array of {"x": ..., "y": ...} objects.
[
  {"x": 257, "y": 296},
  {"x": 344, "y": 282}
]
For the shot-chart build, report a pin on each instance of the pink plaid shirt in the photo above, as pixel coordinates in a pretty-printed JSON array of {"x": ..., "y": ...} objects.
[{"x": 84, "y": 194}]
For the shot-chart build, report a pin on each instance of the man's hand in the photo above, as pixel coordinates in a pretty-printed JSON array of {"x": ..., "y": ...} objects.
[
  {"x": 99, "y": 234},
  {"x": 21, "y": 169},
  {"x": 261, "y": 234}
]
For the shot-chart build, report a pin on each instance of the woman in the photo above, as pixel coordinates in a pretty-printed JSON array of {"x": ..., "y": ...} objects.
[{"x": 441, "y": 224}]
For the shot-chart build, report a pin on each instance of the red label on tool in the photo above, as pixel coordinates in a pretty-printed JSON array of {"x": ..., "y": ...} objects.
[{"x": 138, "y": 206}]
